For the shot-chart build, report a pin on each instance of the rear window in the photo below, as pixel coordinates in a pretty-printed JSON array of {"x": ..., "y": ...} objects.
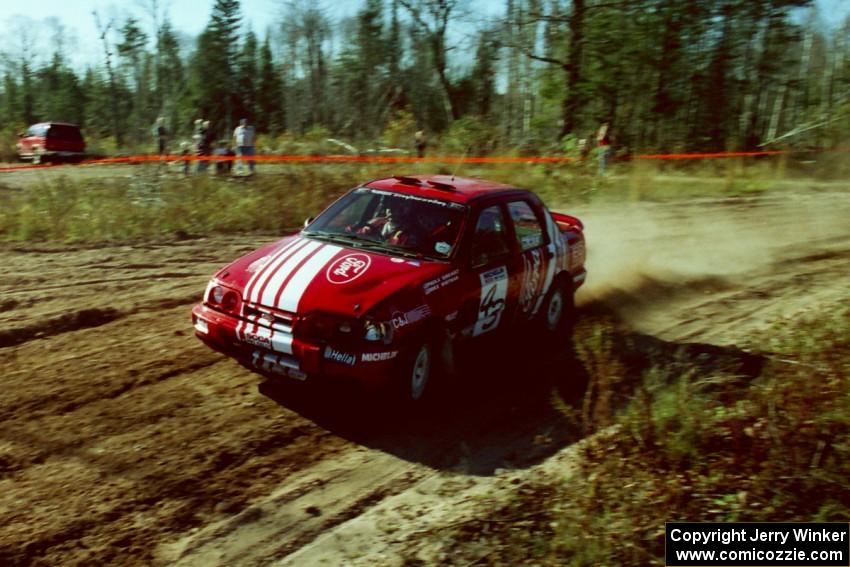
[{"x": 62, "y": 132}]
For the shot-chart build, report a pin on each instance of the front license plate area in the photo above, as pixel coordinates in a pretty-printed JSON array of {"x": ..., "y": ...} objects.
[{"x": 274, "y": 364}]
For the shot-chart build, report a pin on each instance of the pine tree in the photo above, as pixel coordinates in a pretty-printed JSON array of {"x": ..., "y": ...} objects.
[
  {"x": 170, "y": 82},
  {"x": 269, "y": 93},
  {"x": 369, "y": 68},
  {"x": 215, "y": 64},
  {"x": 11, "y": 102},
  {"x": 246, "y": 77}
]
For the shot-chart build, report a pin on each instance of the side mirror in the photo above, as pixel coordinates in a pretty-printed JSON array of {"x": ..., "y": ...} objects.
[{"x": 307, "y": 221}]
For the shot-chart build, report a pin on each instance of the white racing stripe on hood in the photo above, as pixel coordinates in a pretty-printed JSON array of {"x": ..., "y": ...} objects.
[
  {"x": 285, "y": 269},
  {"x": 274, "y": 266},
  {"x": 291, "y": 296},
  {"x": 255, "y": 283}
]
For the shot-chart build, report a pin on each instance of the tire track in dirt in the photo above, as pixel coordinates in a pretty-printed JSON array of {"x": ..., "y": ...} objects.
[
  {"x": 85, "y": 319},
  {"x": 117, "y": 434},
  {"x": 135, "y": 456},
  {"x": 310, "y": 503}
]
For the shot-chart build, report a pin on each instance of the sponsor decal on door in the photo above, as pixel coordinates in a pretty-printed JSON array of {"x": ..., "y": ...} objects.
[
  {"x": 494, "y": 291},
  {"x": 532, "y": 280}
]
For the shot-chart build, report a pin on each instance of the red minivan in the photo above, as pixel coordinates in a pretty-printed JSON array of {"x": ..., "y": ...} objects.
[{"x": 51, "y": 140}]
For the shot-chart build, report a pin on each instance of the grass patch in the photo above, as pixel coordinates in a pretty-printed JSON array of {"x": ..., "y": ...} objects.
[
  {"x": 138, "y": 202},
  {"x": 689, "y": 446}
]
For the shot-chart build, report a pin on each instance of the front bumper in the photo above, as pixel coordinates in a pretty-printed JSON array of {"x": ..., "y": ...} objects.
[
  {"x": 276, "y": 352},
  {"x": 51, "y": 153}
]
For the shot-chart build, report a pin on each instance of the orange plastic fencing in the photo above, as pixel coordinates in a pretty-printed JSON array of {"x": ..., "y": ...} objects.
[{"x": 409, "y": 159}]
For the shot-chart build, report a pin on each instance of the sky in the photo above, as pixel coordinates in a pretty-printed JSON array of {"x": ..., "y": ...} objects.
[{"x": 190, "y": 17}]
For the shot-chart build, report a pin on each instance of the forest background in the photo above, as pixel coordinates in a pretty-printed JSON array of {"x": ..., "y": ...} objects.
[{"x": 669, "y": 75}]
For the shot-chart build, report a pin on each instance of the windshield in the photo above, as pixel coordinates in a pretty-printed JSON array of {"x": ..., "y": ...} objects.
[{"x": 392, "y": 222}]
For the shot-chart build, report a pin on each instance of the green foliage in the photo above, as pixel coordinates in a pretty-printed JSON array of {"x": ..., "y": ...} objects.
[
  {"x": 701, "y": 446},
  {"x": 668, "y": 75},
  {"x": 8, "y": 139},
  {"x": 470, "y": 135},
  {"x": 156, "y": 202},
  {"x": 400, "y": 130},
  {"x": 270, "y": 115}
]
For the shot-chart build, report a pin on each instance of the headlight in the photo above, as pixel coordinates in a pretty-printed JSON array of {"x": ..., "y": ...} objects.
[
  {"x": 377, "y": 331},
  {"x": 222, "y": 297}
]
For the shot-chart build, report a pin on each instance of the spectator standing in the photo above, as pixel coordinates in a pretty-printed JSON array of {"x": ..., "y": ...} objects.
[
  {"x": 160, "y": 135},
  {"x": 207, "y": 136},
  {"x": 420, "y": 142},
  {"x": 583, "y": 148},
  {"x": 223, "y": 166},
  {"x": 197, "y": 133},
  {"x": 185, "y": 151},
  {"x": 603, "y": 146},
  {"x": 243, "y": 138}
]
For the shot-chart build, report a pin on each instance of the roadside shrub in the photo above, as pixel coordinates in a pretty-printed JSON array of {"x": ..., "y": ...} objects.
[
  {"x": 470, "y": 135},
  {"x": 400, "y": 130},
  {"x": 8, "y": 139}
]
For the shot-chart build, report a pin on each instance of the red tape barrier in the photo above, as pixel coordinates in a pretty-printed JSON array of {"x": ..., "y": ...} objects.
[{"x": 411, "y": 159}]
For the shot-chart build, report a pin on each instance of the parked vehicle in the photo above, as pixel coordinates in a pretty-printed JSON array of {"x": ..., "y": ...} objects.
[
  {"x": 51, "y": 141},
  {"x": 385, "y": 284}
]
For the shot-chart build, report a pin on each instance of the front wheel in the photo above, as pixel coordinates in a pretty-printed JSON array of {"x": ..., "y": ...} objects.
[
  {"x": 557, "y": 309},
  {"x": 419, "y": 370}
]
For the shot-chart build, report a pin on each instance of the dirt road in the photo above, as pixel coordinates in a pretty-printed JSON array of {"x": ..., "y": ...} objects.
[{"x": 126, "y": 441}]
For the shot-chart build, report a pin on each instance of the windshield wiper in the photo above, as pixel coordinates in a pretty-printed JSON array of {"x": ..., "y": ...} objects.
[
  {"x": 354, "y": 241},
  {"x": 389, "y": 249},
  {"x": 335, "y": 237}
]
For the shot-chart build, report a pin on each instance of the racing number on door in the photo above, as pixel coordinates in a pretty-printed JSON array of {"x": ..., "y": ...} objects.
[{"x": 494, "y": 290}]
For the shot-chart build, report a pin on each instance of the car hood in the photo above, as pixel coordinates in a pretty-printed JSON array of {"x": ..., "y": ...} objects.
[{"x": 301, "y": 275}]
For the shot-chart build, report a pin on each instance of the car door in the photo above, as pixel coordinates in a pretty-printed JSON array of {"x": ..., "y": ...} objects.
[
  {"x": 532, "y": 277},
  {"x": 489, "y": 300},
  {"x": 64, "y": 138}
]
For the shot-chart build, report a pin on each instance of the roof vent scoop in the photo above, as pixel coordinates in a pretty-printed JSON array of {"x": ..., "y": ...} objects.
[
  {"x": 440, "y": 185},
  {"x": 404, "y": 180}
]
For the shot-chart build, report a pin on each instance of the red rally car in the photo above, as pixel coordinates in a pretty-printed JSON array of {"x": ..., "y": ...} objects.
[{"x": 388, "y": 281}]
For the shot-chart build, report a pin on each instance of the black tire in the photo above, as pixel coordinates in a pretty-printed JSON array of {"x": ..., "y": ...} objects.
[
  {"x": 556, "y": 313},
  {"x": 418, "y": 370}
]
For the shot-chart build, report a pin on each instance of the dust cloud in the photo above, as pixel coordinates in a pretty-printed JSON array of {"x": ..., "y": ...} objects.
[{"x": 651, "y": 252}]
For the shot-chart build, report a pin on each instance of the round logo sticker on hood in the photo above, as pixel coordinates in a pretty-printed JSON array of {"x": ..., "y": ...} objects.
[{"x": 348, "y": 268}]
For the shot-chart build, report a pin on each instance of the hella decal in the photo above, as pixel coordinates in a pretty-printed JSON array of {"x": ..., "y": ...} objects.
[
  {"x": 378, "y": 356},
  {"x": 338, "y": 356},
  {"x": 348, "y": 268}
]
